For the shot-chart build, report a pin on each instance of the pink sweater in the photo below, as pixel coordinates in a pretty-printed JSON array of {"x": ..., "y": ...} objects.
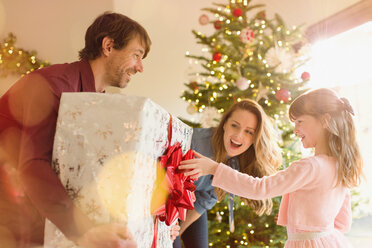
[{"x": 310, "y": 201}]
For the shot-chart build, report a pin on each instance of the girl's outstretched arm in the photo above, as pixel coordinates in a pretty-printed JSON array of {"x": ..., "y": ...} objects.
[{"x": 199, "y": 166}]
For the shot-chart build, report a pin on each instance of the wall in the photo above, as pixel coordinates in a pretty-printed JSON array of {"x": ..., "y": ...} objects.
[{"x": 55, "y": 29}]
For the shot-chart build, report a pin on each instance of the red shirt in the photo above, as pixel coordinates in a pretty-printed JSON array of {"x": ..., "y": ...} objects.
[{"x": 29, "y": 188}]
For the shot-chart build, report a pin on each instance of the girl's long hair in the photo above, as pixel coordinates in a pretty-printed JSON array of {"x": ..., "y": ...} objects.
[
  {"x": 262, "y": 158},
  {"x": 341, "y": 135}
]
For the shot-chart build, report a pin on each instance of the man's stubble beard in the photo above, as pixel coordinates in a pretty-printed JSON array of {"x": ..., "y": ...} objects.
[{"x": 114, "y": 76}]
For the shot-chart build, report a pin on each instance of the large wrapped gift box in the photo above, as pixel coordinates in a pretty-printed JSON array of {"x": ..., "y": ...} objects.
[{"x": 105, "y": 153}]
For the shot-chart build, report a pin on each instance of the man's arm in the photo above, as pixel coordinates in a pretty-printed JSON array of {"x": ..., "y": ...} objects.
[
  {"x": 34, "y": 105},
  {"x": 36, "y": 108}
]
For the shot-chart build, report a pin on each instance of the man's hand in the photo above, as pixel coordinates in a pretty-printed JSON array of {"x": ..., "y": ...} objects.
[
  {"x": 175, "y": 231},
  {"x": 108, "y": 235}
]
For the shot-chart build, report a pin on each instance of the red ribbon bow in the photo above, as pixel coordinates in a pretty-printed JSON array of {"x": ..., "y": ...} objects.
[{"x": 180, "y": 188}]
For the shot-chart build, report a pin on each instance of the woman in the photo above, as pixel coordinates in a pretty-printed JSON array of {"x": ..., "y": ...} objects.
[{"x": 245, "y": 139}]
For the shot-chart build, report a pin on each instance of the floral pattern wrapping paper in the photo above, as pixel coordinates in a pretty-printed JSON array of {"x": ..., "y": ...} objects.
[{"x": 105, "y": 152}]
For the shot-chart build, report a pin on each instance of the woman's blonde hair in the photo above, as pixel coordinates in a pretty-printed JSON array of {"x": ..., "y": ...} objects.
[
  {"x": 336, "y": 113},
  {"x": 262, "y": 158}
]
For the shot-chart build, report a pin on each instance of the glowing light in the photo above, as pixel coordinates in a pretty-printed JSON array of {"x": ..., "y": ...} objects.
[{"x": 331, "y": 59}]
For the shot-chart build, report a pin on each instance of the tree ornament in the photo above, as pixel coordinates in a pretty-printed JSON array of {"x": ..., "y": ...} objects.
[
  {"x": 237, "y": 12},
  {"x": 194, "y": 85},
  {"x": 262, "y": 92},
  {"x": 218, "y": 217},
  {"x": 248, "y": 52},
  {"x": 217, "y": 56},
  {"x": 217, "y": 24},
  {"x": 280, "y": 59},
  {"x": 246, "y": 35},
  {"x": 242, "y": 83},
  {"x": 305, "y": 76},
  {"x": 192, "y": 109},
  {"x": 203, "y": 19},
  {"x": 261, "y": 15},
  {"x": 210, "y": 117},
  {"x": 283, "y": 95}
]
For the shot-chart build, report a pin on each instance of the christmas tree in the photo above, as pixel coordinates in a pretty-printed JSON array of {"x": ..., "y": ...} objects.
[
  {"x": 17, "y": 61},
  {"x": 247, "y": 56}
]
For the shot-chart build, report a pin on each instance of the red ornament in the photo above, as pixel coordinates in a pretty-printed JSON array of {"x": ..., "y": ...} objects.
[
  {"x": 203, "y": 19},
  {"x": 246, "y": 35},
  {"x": 283, "y": 95},
  {"x": 217, "y": 24},
  {"x": 305, "y": 76},
  {"x": 217, "y": 56},
  {"x": 237, "y": 12},
  {"x": 194, "y": 85},
  {"x": 261, "y": 15}
]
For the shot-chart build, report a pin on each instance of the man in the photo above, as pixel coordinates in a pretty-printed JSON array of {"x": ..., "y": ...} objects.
[{"x": 30, "y": 190}]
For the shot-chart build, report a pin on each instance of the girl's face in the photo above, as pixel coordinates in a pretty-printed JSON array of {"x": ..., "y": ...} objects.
[
  {"x": 310, "y": 130},
  {"x": 239, "y": 130}
]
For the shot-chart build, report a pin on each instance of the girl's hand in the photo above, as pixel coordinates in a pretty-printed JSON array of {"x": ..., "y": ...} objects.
[{"x": 198, "y": 167}]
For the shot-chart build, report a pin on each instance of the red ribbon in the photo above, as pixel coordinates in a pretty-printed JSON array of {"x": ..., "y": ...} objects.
[{"x": 181, "y": 189}]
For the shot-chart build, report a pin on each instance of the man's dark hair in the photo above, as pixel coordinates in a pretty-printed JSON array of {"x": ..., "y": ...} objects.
[{"x": 116, "y": 26}]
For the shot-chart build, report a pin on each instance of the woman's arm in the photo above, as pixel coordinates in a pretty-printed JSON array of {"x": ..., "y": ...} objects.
[{"x": 191, "y": 217}]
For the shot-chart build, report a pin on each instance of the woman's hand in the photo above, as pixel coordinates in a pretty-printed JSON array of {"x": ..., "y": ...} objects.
[
  {"x": 198, "y": 167},
  {"x": 175, "y": 231}
]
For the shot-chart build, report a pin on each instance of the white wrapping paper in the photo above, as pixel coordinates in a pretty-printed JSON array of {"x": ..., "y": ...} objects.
[{"x": 105, "y": 152}]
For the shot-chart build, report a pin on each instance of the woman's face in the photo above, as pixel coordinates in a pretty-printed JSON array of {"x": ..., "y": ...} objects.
[{"x": 239, "y": 131}]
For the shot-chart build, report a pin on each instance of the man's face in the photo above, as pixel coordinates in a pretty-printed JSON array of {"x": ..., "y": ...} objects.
[{"x": 124, "y": 63}]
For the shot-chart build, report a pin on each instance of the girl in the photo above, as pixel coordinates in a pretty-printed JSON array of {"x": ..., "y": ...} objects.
[
  {"x": 245, "y": 140},
  {"x": 315, "y": 206}
]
